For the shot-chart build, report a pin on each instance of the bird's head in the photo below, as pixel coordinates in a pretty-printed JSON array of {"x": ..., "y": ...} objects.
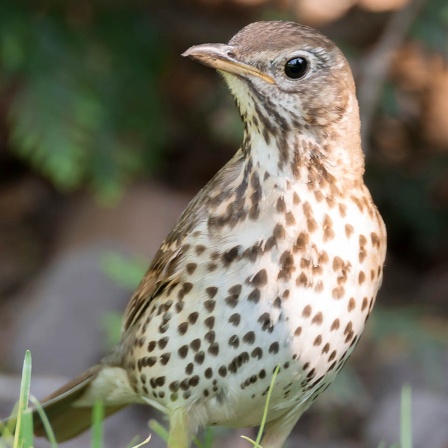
[{"x": 288, "y": 79}]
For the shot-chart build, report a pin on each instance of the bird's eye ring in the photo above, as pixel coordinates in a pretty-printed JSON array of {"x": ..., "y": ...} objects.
[{"x": 296, "y": 68}]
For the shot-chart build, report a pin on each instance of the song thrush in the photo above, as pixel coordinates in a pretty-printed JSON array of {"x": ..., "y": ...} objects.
[{"x": 276, "y": 262}]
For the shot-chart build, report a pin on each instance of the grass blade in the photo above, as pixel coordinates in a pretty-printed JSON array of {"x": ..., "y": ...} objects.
[
  {"x": 256, "y": 443},
  {"x": 22, "y": 433},
  {"x": 46, "y": 423},
  {"x": 97, "y": 424},
  {"x": 159, "y": 429},
  {"x": 406, "y": 417}
]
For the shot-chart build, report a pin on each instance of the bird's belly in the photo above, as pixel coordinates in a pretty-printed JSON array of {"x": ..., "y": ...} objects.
[
  {"x": 308, "y": 360},
  {"x": 218, "y": 355}
]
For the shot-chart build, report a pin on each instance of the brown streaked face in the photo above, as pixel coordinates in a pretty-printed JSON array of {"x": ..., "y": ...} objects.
[{"x": 283, "y": 63}]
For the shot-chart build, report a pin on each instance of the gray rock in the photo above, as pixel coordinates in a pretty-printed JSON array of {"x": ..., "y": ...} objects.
[{"x": 62, "y": 324}]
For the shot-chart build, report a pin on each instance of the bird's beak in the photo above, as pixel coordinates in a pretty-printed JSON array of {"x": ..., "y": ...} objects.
[{"x": 222, "y": 57}]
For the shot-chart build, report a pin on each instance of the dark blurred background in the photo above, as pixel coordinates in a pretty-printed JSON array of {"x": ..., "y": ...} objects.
[{"x": 106, "y": 132}]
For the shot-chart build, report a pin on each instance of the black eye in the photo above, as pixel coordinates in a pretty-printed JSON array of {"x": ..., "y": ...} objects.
[{"x": 296, "y": 68}]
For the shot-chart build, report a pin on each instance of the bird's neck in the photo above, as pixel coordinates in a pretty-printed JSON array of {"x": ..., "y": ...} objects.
[{"x": 308, "y": 155}]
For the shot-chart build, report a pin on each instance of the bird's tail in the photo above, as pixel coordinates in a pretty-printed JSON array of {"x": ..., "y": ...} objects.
[{"x": 67, "y": 418}]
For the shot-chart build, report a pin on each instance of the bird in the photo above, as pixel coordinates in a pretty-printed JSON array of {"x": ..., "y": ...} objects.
[{"x": 275, "y": 264}]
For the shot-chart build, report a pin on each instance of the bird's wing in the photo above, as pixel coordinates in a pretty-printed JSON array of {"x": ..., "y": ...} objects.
[
  {"x": 162, "y": 272},
  {"x": 167, "y": 267}
]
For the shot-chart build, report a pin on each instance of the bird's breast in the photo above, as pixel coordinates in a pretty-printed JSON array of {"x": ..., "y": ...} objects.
[{"x": 290, "y": 286}]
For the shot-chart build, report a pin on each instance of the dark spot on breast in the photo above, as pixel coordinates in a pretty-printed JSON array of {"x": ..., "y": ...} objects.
[
  {"x": 234, "y": 341},
  {"x": 307, "y": 311},
  {"x": 193, "y": 317},
  {"x": 290, "y": 220},
  {"x": 150, "y": 361},
  {"x": 209, "y": 305},
  {"x": 209, "y": 322},
  {"x": 375, "y": 239},
  {"x": 231, "y": 255},
  {"x": 279, "y": 232},
  {"x": 259, "y": 279},
  {"x": 337, "y": 263},
  {"x": 189, "y": 368},
  {"x": 257, "y": 353},
  {"x": 210, "y": 336},
  {"x": 195, "y": 344},
  {"x": 338, "y": 292},
  {"x": 270, "y": 243},
  {"x": 287, "y": 266},
  {"x": 234, "y": 319},
  {"x": 362, "y": 248},
  {"x": 187, "y": 287},
  {"x": 179, "y": 306},
  {"x": 317, "y": 319},
  {"x": 214, "y": 349},
  {"x": 265, "y": 321},
  {"x": 199, "y": 249},
  {"x": 365, "y": 304},
  {"x": 335, "y": 325},
  {"x": 252, "y": 252},
  {"x": 249, "y": 337},
  {"x": 182, "y": 328},
  {"x": 302, "y": 242},
  {"x": 311, "y": 225},
  {"x": 191, "y": 267},
  {"x": 194, "y": 381},
  {"x": 302, "y": 280},
  {"x": 254, "y": 296},
  {"x": 162, "y": 343},
  {"x": 183, "y": 351},
  {"x": 281, "y": 205},
  {"x": 211, "y": 291},
  {"x": 351, "y": 304},
  {"x": 349, "y": 230},
  {"x": 199, "y": 357},
  {"x": 328, "y": 228}
]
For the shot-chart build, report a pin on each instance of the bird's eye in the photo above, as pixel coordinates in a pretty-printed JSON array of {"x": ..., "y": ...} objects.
[{"x": 296, "y": 68}]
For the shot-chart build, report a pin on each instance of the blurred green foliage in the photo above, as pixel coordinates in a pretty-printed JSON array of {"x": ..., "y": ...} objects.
[
  {"x": 126, "y": 271},
  {"x": 410, "y": 194},
  {"x": 85, "y": 105},
  {"x": 432, "y": 26},
  {"x": 406, "y": 330}
]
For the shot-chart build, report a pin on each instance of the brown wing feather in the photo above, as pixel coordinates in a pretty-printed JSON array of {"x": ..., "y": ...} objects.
[{"x": 167, "y": 266}]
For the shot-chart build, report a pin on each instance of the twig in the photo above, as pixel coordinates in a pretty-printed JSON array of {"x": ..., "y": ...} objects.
[{"x": 374, "y": 67}]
